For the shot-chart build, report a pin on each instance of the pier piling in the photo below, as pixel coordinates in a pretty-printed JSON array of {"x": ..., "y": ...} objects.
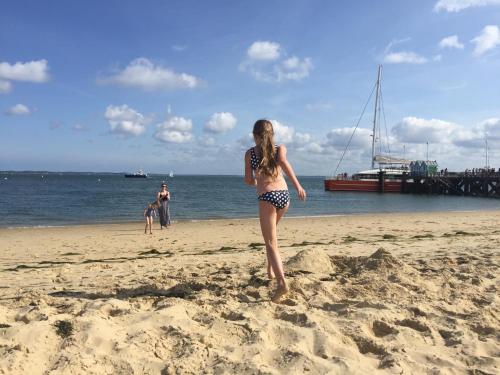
[{"x": 485, "y": 184}]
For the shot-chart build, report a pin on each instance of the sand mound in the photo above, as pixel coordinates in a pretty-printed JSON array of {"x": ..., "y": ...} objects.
[
  {"x": 380, "y": 260},
  {"x": 313, "y": 260}
]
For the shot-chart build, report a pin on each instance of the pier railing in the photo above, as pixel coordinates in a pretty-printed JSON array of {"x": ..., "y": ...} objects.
[{"x": 476, "y": 184}]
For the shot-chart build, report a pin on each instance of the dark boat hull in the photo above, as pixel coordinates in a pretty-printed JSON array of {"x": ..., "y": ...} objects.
[
  {"x": 362, "y": 186},
  {"x": 135, "y": 176}
]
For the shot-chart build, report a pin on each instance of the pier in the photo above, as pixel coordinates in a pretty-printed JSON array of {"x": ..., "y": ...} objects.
[{"x": 478, "y": 184}]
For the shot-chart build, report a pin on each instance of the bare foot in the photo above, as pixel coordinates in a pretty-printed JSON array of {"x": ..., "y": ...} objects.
[{"x": 280, "y": 292}]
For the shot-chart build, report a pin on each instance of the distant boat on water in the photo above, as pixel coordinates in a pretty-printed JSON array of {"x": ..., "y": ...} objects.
[
  {"x": 138, "y": 174},
  {"x": 390, "y": 168},
  {"x": 171, "y": 174}
]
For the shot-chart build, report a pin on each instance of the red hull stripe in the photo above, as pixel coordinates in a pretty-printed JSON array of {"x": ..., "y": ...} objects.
[{"x": 367, "y": 186}]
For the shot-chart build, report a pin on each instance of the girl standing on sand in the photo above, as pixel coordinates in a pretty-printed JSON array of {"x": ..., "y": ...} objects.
[
  {"x": 149, "y": 213},
  {"x": 162, "y": 199},
  {"x": 264, "y": 165}
]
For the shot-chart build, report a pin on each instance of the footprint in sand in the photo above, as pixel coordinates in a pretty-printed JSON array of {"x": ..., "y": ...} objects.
[
  {"x": 366, "y": 345},
  {"x": 381, "y": 329},
  {"x": 296, "y": 318},
  {"x": 30, "y": 314},
  {"x": 415, "y": 325},
  {"x": 451, "y": 338},
  {"x": 233, "y": 316}
]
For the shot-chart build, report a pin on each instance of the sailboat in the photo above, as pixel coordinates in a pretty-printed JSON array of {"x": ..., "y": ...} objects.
[
  {"x": 171, "y": 174},
  {"x": 386, "y": 178}
]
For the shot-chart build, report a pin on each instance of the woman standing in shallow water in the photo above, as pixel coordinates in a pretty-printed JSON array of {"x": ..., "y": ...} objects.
[{"x": 264, "y": 165}]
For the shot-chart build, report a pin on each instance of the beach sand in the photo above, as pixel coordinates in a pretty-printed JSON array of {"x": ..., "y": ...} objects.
[{"x": 388, "y": 294}]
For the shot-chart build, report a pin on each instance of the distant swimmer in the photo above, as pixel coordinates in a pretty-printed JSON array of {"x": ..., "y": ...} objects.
[{"x": 264, "y": 167}]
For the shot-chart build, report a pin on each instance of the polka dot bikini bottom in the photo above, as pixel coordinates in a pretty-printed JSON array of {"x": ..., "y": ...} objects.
[{"x": 278, "y": 198}]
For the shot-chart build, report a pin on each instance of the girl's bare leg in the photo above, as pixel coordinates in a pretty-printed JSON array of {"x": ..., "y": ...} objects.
[
  {"x": 150, "y": 225},
  {"x": 146, "y": 227},
  {"x": 279, "y": 214},
  {"x": 268, "y": 218}
]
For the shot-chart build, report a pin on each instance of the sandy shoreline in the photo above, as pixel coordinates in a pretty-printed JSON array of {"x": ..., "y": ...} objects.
[{"x": 106, "y": 298}]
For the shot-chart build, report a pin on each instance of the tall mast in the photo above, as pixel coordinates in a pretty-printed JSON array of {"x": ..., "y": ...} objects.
[
  {"x": 375, "y": 115},
  {"x": 487, "y": 161}
]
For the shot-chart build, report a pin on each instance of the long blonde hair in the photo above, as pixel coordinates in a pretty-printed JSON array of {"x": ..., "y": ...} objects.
[{"x": 263, "y": 129}]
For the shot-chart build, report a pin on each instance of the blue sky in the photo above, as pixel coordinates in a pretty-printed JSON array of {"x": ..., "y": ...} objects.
[{"x": 177, "y": 85}]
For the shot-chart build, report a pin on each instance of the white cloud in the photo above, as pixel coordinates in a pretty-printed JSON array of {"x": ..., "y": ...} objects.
[
  {"x": 5, "y": 87},
  {"x": 401, "y": 57},
  {"x": 18, "y": 110},
  {"x": 404, "y": 57},
  {"x": 419, "y": 130},
  {"x": 454, "y": 146},
  {"x": 293, "y": 69},
  {"x": 282, "y": 133},
  {"x": 267, "y": 62},
  {"x": 175, "y": 130},
  {"x": 262, "y": 50},
  {"x": 125, "y": 121},
  {"x": 447, "y": 135},
  {"x": 491, "y": 128},
  {"x": 314, "y": 148},
  {"x": 395, "y": 42},
  {"x": 32, "y": 71},
  {"x": 246, "y": 140},
  {"x": 339, "y": 138},
  {"x": 468, "y": 139},
  {"x": 476, "y": 136},
  {"x": 488, "y": 39},
  {"x": 451, "y": 42},
  {"x": 207, "y": 141},
  {"x": 294, "y": 140},
  {"x": 319, "y": 106},
  {"x": 220, "y": 122},
  {"x": 301, "y": 139},
  {"x": 142, "y": 73},
  {"x": 458, "y": 5}
]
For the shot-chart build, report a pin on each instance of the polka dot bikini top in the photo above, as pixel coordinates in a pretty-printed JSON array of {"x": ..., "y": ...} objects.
[{"x": 254, "y": 160}]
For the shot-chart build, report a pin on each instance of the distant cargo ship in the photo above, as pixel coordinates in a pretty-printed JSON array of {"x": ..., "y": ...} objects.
[{"x": 138, "y": 174}]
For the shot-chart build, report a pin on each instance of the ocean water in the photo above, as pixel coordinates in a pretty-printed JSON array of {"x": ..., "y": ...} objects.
[{"x": 52, "y": 199}]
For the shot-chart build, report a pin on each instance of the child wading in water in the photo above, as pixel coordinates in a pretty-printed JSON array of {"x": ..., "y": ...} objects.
[
  {"x": 264, "y": 165},
  {"x": 149, "y": 212}
]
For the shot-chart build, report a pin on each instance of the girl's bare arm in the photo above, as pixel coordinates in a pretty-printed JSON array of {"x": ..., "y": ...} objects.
[
  {"x": 249, "y": 177},
  {"x": 287, "y": 168}
]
